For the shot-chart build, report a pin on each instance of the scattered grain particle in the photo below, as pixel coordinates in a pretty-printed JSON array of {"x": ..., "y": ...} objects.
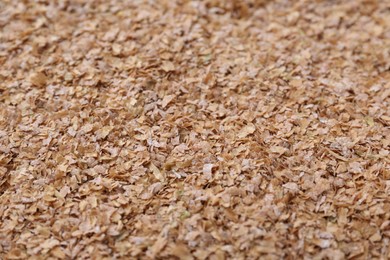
[
  {"x": 278, "y": 149},
  {"x": 157, "y": 173},
  {"x": 207, "y": 170},
  {"x": 246, "y": 130},
  {"x": 166, "y": 100},
  {"x": 57, "y": 252},
  {"x": 168, "y": 66},
  {"x": 291, "y": 186},
  {"x": 181, "y": 251},
  {"x": 38, "y": 79},
  {"x": 355, "y": 167},
  {"x": 50, "y": 243},
  {"x": 68, "y": 77},
  {"x": 103, "y": 132}
]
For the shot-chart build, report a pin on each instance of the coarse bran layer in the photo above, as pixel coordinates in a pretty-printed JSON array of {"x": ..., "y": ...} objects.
[{"x": 238, "y": 129}]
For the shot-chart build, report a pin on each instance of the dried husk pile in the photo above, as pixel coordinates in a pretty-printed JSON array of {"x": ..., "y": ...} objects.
[{"x": 194, "y": 129}]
